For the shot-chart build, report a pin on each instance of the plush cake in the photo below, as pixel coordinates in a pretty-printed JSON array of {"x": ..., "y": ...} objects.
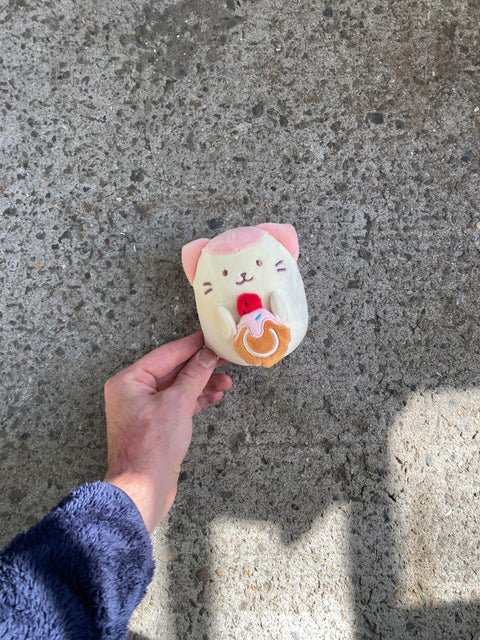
[{"x": 249, "y": 292}]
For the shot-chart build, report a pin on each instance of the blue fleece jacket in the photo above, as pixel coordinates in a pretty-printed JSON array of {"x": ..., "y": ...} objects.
[{"x": 79, "y": 573}]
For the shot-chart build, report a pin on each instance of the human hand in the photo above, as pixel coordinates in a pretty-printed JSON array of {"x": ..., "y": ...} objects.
[{"x": 149, "y": 408}]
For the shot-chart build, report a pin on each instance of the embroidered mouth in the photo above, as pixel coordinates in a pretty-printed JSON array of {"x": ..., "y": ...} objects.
[{"x": 244, "y": 280}]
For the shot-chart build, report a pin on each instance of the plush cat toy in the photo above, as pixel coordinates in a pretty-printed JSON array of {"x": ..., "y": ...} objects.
[{"x": 249, "y": 292}]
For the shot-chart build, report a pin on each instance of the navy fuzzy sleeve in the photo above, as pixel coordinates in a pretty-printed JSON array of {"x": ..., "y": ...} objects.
[{"x": 80, "y": 572}]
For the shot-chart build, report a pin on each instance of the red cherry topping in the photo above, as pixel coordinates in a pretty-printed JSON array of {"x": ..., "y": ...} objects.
[{"x": 248, "y": 302}]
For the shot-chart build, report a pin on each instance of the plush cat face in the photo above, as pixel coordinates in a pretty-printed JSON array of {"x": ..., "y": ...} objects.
[{"x": 246, "y": 270}]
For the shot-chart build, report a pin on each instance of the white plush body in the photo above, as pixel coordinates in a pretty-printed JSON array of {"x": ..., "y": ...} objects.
[{"x": 277, "y": 281}]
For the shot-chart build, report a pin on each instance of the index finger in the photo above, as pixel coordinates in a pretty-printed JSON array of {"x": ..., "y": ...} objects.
[{"x": 163, "y": 360}]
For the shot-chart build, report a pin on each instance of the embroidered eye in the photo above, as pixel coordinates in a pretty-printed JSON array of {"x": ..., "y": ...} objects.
[
  {"x": 225, "y": 272},
  {"x": 259, "y": 263}
]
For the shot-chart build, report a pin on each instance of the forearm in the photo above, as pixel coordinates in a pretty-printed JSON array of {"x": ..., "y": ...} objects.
[{"x": 80, "y": 572}]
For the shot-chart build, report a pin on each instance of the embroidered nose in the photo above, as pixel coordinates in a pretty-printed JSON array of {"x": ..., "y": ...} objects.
[{"x": 243, "y": 274}]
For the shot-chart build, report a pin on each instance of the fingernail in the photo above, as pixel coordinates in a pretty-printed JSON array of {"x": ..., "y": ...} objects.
[{"x": 207, "y": 358}]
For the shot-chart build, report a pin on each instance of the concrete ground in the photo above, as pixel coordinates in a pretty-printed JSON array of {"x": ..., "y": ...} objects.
[{"x": 336, "y": 495}]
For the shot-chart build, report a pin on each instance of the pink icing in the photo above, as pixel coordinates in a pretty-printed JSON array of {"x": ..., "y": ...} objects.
[{"x": 255, "y": 321}]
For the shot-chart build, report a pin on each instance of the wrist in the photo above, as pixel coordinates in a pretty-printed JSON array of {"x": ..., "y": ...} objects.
[
  {"x": 152, "y": 501},
  {"x": 137, "y": 489}
]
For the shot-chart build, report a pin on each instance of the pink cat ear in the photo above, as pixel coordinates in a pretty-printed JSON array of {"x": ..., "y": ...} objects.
[
  {"x": 285, "y": 234},
  {"x": 190, "y": 256}
]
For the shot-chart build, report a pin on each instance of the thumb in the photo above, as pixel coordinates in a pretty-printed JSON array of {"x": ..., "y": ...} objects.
[{"x": 194, "y": 376}]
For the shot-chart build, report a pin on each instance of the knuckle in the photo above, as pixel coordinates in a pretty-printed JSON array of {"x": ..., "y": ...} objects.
[
  {"x": 189, "y": 374},
  {"x": 107, "y": 387},
  {"x": 172, "y": 396},
  {"x": 113, "y": 383},
  {"x": 177, "y": 398}
]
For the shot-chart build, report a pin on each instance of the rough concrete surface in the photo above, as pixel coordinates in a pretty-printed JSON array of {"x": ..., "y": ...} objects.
[{"x": 336, "y": 495}]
